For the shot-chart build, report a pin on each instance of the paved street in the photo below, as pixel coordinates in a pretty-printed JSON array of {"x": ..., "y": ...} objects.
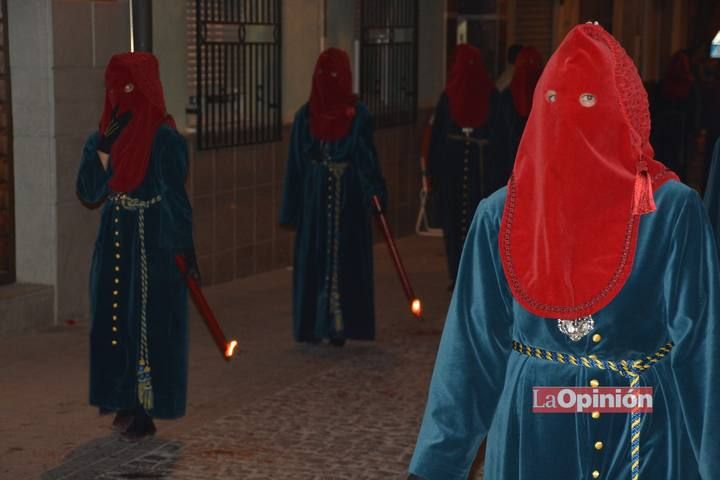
[{"x": 279, "y": 410}]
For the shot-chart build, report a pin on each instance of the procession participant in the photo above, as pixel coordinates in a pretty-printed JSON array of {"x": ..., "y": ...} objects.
[
  {"x": 136, "y": 167},
  {"x": 461, "y": 159},
  {"x": 332, "y": 175},
  {"x": 594, "y": 267}
]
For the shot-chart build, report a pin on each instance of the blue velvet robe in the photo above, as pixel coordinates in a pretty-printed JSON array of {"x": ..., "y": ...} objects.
[
  {"x": 463, "y": 170},
  {"x": 333, "y": 275},
  {"x": 168, "y": 231},
  {"x": 480, "y": 386}
]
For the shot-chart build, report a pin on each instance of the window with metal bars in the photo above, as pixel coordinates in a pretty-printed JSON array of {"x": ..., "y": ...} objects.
[
  {"x": 388, "y": 60},
  {"x": 234, "y": 71},
  {"x": 7, "y": 207}
]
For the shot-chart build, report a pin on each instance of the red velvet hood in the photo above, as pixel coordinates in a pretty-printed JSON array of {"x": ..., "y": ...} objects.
[
  {"x": 131, "y": 152},
  {"x": 583, "y": 176},
  {"x": 679, "y": 79},
  {"x": 468, "y": 88},
  {"x": 332, "y": 103},
  {"x": 527, "y": 70}
]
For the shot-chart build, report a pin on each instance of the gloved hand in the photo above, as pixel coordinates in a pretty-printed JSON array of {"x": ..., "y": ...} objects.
[
  {"x": 114, "y": 129},
  {"x": 191, "y": 265}
]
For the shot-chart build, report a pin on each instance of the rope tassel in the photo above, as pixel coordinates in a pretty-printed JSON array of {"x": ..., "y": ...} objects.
[
  {"x": 334, "y": 215},
  {"x": 635, "y": 420},
  {"x": 145, "y": 390},
  {"x": 643, "y": 201},
  {"x": 144, "y": 377}
]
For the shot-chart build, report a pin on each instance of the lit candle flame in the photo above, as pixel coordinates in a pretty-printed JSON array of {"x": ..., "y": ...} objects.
[
  {"x": 230, "y": 349},
  {"x": 416, "y": 307}
]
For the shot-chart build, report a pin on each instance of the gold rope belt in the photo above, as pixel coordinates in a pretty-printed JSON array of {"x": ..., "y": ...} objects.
[
  {"x": 333, "y": 220},
  {"x": 144, "y": 378},
  {"x": 625, "y": 368}
]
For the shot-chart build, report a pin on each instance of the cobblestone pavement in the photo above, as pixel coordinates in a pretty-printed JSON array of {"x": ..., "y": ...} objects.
[
  {"x": 280, "y": 410},
  {"x": 358, "y": 420}
]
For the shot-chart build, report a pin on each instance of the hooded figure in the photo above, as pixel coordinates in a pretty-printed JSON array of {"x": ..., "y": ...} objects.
[
  {"x": 516, "y": 101},
  {"x": 594, "y": 268},
  {"x": 332, "y": 174},
  {"x": 462, "y": 154},
  {"x": 676, "y": 114},
  {"x": 135, "y": 166}
]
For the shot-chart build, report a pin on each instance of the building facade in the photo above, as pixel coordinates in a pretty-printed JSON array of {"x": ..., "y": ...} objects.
[{"x": 56, "y": 51}]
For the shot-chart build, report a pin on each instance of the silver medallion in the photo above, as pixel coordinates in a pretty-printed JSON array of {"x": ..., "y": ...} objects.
[{"x": 576, "y": 329}]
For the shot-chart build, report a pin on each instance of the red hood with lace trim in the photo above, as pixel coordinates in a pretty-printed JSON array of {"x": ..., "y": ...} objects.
[{"x": 583, "y": 176}]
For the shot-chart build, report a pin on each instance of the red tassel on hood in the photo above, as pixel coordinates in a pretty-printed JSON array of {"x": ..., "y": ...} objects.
[{"x": 643, "y": 198}]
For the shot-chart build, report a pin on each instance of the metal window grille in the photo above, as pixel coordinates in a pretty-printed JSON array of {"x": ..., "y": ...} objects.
[
  {"x": 388, "y": 60},
  {"x": 7, "y": 217},
  {"x": 235, "y": 62}
]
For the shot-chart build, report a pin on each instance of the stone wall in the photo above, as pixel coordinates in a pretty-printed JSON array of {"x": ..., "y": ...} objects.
[
  {"x": 30, "y": 47},
  {"x": 84, "y": 36}
]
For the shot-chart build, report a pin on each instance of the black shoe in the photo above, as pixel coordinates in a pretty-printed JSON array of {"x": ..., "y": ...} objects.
[
  {"x": 123, "y": 419},
  {"x": 141, "y": 426},
  {"x": 337, "y": 341}
]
